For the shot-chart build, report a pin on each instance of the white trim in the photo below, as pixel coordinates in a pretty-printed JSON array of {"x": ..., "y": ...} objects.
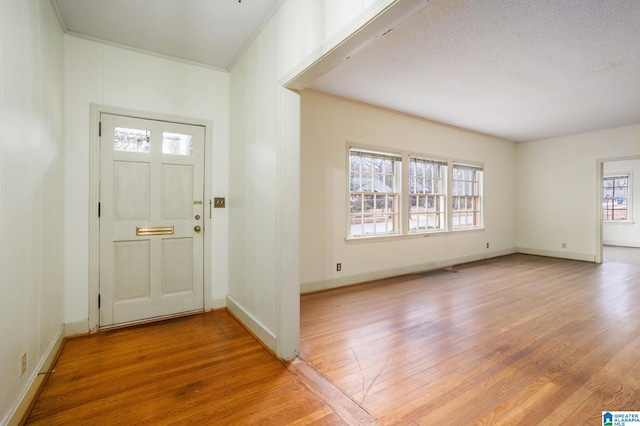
[
  {"x": 411, "y": 235},
  {"x": 394, "y": 272},
  {"x": 599, "y": 255},
  {"x": 94, "y": 198},
  {"x": 373, "y": 23},
  {"x": 56, "y": 10},
  {"x": 599, "y": 188},
  {"x": 629, "y": 175},
  {"x": 634, "y": 244},
  {"x": 219, "y": 303},
  {"x": 288, "y": 225},
  {"x": 559, "y": 254},
  {"x": 252, "y": 323},
  {"x": 22, "y": 403},
  {"x": 76, "y": 327}
]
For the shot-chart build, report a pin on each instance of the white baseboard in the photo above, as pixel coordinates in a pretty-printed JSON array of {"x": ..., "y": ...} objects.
[
  {"x": 559, "y": 254},
  {"x": 621, "y": 243},
  {"x": 219, "y": 303},
  {"x": 394, "y": 272},
  {"x": 20, "y": 407},
  {"x": 76, "y": 327},
  {"x": 251, "y": 322}
]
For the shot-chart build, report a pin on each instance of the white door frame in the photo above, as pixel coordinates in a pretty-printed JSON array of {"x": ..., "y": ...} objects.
[
  {"x": 599, "y": 258},
  {"x": 94, "y": 198}
]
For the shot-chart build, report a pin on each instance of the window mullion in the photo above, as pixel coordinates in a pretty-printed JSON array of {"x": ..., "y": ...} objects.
[{"x": 404, "y": 206}]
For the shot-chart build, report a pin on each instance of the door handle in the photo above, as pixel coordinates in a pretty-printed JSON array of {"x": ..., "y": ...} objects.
[{"x": 196, "y": 228}]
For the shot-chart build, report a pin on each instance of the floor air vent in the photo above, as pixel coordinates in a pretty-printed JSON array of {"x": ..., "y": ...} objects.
[{"x": 436, "y": 273}]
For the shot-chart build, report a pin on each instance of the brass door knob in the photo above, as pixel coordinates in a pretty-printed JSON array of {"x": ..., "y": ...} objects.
[{"x": 197, "y": 228}]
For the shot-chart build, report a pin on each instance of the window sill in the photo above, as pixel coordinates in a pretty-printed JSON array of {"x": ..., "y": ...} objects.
[
  {"x": 624, "y": 222},
  {"x": 398, "y": 237}
]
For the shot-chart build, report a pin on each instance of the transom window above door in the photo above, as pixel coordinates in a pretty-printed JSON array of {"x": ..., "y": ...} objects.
[{"x": 138, "y": 140}]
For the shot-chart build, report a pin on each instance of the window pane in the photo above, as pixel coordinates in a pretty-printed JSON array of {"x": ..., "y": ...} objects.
[
  {"x": 389, "y": 181},
  {"x": 373, "y": 184},
  {"x": 470, "y": 203},
  {"x": 366, "y": 163},
  {"x": 354, "y": 162},
  {"x": 131, "y": 140},
  {"x": 354, "y": 182},
  {"x": 177, "y": 144},
  {"x": 356, "y": 203},
  {"x": 426, "y": 212},
  {"x": 379, "y": 184},
  {"x": 388, "y": 166},
  {"x": 466, "y": 190},
  {"x": 615, "y": 198},
  {"x": 369, "y": 203},
  {"x": 369, "y": 224}
]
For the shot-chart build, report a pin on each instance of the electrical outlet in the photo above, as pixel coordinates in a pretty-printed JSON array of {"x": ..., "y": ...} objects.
[
  {"x": 487, "y": 245},
  {"x": 564, "y": 245},
  {"x": 338, "y": 267},
  {"x": 23, "y": 364}
]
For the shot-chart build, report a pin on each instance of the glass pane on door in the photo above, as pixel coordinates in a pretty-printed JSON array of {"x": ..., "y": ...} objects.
[{"x": 131, "y": 140}]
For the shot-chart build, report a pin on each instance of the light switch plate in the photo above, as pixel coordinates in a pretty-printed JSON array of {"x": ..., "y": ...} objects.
[{"x": 218, "y": 203}]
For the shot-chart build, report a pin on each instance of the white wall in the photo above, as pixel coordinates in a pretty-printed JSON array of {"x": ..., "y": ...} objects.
[
  {"x": 31, "y": 192},
  {"x": 264, "y": 174},
  {"x": 558, "y": 190},
  {"x": 106, "y": 75},
  {"x": 328, "y": 125},
  {"x": 625, "y": 233}
]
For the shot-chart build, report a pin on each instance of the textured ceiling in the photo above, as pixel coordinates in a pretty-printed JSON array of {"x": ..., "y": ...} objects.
[
  {"x": 210, "y": 32},
  {"x": 521, "y": 70}
]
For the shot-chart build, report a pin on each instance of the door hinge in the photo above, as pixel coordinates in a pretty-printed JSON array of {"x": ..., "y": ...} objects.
[
  {"x": 98, "y": 209},
  {"x": 99, "y": 128},
  {"x": 98, "y": 300}
]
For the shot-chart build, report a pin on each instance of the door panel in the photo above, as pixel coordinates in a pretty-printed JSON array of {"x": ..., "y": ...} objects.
[
  {"x": 131, "y": 270},
  {"x": 176, "y": 191},
  {"x": 151, "y": 193},
  {"x": 177, "y": 256},
  {"x": 131, "y": 190}
]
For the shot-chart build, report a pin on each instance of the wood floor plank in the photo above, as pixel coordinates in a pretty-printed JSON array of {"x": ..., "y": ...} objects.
[
  {"x": 203, "y": 369},
  {"x": 513, "y": 340},
  {"x": 518, "y": 339}
]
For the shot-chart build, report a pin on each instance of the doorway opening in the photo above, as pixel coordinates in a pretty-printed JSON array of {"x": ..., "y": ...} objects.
[{"x": 619, "y": 203}]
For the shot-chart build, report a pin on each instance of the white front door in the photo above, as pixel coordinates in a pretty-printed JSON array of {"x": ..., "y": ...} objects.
[{"x": 151, "y": 226}]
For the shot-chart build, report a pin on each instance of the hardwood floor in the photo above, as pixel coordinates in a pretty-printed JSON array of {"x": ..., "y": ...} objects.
[
  {"x": 514, "y": 340},
  {"x": 204, "y": 369}
]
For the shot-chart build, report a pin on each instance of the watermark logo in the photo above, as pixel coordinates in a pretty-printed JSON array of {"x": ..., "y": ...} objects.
[
  {"x": 621, "y": 418},
  {"x": 607, "y": 419}
]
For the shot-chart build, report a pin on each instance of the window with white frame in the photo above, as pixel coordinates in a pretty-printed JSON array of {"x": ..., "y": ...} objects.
[
  {"x": 374, "y": 191},
  {"x": 616, "y": 198},
  {"x": 427, "y": 195},
  {"x": 395, "y": 194},
  {"x": 466, "y": 193}
]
